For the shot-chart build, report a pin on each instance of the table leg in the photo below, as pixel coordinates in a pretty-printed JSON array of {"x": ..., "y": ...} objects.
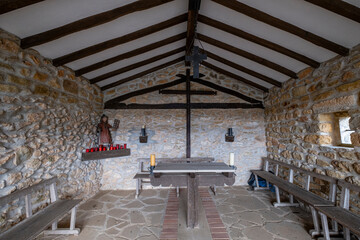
[{"x": 192, "y": 200}]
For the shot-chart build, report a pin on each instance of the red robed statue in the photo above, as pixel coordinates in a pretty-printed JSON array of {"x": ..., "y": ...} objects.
[{"x": 103, "y": 129}]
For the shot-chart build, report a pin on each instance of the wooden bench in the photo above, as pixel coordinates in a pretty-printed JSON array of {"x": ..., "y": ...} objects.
[
  {"x": 302, "y": 194},
  {"x": 36, "y": 223},
  {"x": 143, "y": 174},
  {"x": 341, "y": 214}
]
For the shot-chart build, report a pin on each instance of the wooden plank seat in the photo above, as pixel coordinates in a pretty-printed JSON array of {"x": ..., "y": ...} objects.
[
  {"x": 36, "y": 223},
  {"x": 143, "y": 174},
  {"x": 341, "y": 214},
  {"x": 301, "y": 193}
]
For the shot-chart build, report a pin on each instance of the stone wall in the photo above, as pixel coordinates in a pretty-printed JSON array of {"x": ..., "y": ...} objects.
[
  {"x": 167, "y": 128},
  {"x": 295, "y": 129},
  {"x": 47, "y": 117}
]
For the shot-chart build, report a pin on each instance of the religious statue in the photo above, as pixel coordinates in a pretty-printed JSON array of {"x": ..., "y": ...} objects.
[{"x": 103, "y": 129}]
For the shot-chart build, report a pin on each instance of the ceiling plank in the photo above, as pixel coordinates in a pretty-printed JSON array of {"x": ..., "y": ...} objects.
[
  {"x": 225, "y": 90},
  {"x": 89, "y": 22},
  {"x": 248, "y": 55},
  {"x": 234, "y": 76},
  {"x": 244, "y": 69},
  {"x": 263, "y": 42},
  {"x": 340, "y": 7},
  {"x": 120, "y": 40},
  {"x": 11, "y": 5},
  {"x": 141, "y": 74},
  {"x": 130, "y": 54},
  {"x": 285, "y": 26},
  {"x": 124, "y": 97},
  {"x": 184, "y": 105},
  {"x": 136, "y": 65}
]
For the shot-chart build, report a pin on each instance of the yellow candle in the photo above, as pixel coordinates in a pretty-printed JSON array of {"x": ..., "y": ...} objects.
[
  {"x": 152, "y": 160},
  {"x": 232, "y": 159}
]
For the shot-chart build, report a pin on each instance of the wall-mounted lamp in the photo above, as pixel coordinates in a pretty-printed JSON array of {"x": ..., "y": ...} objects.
[
  {"x": 229, "y": 136},
  {"x": 143, "y": 136}
]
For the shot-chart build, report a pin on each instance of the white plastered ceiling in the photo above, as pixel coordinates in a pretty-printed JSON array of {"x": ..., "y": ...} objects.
[{"x": 50, "y": 14}]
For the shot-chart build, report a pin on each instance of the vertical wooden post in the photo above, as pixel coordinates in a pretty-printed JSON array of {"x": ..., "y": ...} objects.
[
  {"x": 193, "y": 200},
  {"x": 53, "y": 198},
  {"x": 28, "y": 206},
  {"x": 188, "y": 115}
]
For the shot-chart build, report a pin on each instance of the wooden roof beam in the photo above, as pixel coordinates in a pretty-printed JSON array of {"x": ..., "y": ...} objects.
[
  {"x": 263, "y": 42},
  {"x": 278, "y": 23},
  {"x": 141, "y": 74},
  {"x": 340, "y": 7},
  {"x": 120, "y": 40},
  {"x": 194, "y": 6},
  {"x": 248, "y": 55},
  {"x": 225, "y": 90},
  {"x": 89, "y": 22},
  {"x": 124, "y": 97},
  {"x": 136, "y": 65},
  {"x": 244, "y": 69},
  {"x": 130, "y": 54},
  {"x": 11, "y": 5},
  {"x": 234, "y": 76},
  {"x": 184, "y": 105}
]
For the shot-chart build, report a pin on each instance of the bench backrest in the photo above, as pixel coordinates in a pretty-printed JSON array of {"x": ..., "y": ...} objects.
[
  {"x": 345, "y": 193},
  {"x": 26, "y": 191}
]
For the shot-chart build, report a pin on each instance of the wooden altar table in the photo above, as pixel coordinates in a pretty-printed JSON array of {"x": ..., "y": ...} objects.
[{"x": 192, "y": 175}]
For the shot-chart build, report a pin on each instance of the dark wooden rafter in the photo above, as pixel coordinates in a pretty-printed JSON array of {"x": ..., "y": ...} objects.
[
  {"x": 183, "y": 106},
  {"x": 225, "y": 90},
  {"x": 89, "y": 22},
  {"x": 141, "y": 74},
  {"x": 244, "y": 69},
  {"x": 136, "y": 65},
  {"x": 263, "y": 42},
  {"x": 11, "y": 5},
  {"x": 340, "y": 7},
  {"x": 183, "y": 92},
  {"x": 278, "y": 23},
  {"x": 194, "y": 6},
  {"x": 120, "y": 40},
  {"x": 130, "y": 54},
  {"x": 248, "y": 55},
  {"x": 143, "y": 91},
  {"x": 188, "y": 114},
  {"x": 234, "y": 76}
]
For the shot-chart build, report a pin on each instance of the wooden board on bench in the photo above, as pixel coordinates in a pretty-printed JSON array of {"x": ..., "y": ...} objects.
[
  {"x": 142, "y": 175},
  {"x": 342, "y": 216},
  {"x": 300, "y": 193},
  {"x": 31, "y": 227}
]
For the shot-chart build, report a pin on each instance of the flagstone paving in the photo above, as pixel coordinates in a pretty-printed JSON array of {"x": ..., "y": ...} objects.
[{"x": 246, "y": 215}]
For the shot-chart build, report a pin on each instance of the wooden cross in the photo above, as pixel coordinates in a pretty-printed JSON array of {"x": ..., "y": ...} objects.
[{"x": 196, "y": 58}]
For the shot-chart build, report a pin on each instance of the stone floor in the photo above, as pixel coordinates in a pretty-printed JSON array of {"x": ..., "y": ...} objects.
[{"x": 247, "y": 215}]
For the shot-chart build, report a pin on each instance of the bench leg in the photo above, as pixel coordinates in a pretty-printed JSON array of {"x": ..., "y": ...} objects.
[
  {"x": 257, "y": 184},
  {"x": 346, "y": 234},
  {"x": 316, "y": 231},
  {"x": 278, "y": 202},
  {"x": 71, "y": 231},
  {"x": 137, "y": 188},
  {"x": 177, "y": 191},
  {"x": 325, "y": 226}
]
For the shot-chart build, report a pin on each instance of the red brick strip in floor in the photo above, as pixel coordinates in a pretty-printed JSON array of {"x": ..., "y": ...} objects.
[
  {"x": 217, "y": 228},
  {"x": 170, "y": 225}
]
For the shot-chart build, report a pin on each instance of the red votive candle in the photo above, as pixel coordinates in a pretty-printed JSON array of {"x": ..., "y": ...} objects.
[
  {"x": 125, "y": 146},
  {"x": 92, "y": 150},
  {"x": 100, "y": 149},
  {"x": 87, "y": 150}
]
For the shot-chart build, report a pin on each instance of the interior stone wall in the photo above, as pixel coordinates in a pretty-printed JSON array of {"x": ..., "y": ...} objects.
[
  {"x": 294, "y": 133},
  {"x": 47, "y": 118},
  {"x": 167, "y": 128}
]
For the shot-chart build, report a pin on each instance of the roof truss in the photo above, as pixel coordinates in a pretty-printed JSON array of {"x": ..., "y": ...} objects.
[
  {"x": 89, "y": 22},
  {"x": 11, "y": 5},
  {"x": 278, "y": 23},
  {"x": 184, "y": 106}
]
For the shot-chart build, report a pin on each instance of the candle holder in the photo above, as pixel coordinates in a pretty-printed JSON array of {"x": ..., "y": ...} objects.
[
  {"x": 143, "y": 136},
  {"x": 229, "y": 136},
  {"x": 151, "y": 169}
]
